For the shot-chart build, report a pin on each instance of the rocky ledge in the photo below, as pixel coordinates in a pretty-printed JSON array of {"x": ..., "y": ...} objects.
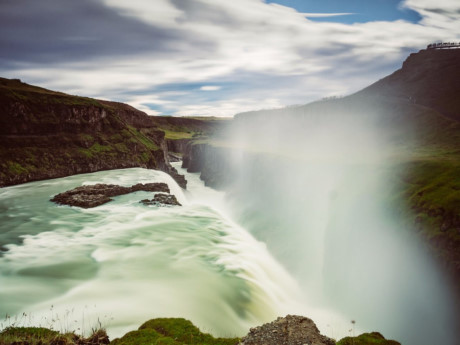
[
  {"x": 98, "y": 194},
  {"x": 161, "y": 199},
  {"x": 287, "y": 330}
]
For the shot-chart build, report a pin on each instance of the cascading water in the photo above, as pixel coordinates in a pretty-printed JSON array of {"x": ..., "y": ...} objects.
[
  {"x": 322, "y": 192},
  {"x": 327, "y": 215},
  {"x": 124, "y": 263}
]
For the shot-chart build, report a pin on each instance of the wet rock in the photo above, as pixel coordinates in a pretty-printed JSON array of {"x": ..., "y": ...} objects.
[
  {"x": 161, "y": 200},
  {"x": 289, "y": 330},
  {"x": 98, "y": 194},
  {"x": 180, "y": 179},
  {"x": 173, "y": 157}
]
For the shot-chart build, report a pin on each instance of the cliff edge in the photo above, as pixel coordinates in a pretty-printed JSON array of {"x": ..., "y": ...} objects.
[{"x": 46, "y": 134}]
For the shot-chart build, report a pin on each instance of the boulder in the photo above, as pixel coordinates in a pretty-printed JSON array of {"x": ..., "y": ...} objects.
[
  {"x": 289, "y": 330},
  {"x": 161, "y": 199}
]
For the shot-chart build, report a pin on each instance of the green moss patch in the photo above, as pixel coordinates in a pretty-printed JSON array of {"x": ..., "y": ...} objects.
[
  {"x": 16, "y": 168},
  {"x": 174, "y": 331},
  {"x": 373, "y": 338},
  {"x": 45, "y": 336},
  {"x": 173, "y": 135}
]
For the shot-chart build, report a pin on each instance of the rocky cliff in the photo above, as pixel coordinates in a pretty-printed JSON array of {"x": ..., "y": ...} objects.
[
  {"x": 441, "y": 67},
  {"x": 46, "y": 134}
]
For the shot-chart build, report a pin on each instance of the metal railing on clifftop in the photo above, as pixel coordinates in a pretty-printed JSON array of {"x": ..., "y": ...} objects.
[{"x": 443, "y": 45}]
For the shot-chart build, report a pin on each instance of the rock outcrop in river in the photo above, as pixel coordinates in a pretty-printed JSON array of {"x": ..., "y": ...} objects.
[
  {"x": 161, "y": 199},
  {"x": 99, "y": 194}
]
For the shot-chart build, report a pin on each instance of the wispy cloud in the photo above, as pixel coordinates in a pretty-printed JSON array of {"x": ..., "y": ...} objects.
[
  {"x": 325, "y": 15},
  {"x": 248, "y": 52},
  {"x": 210, "y": 88}
]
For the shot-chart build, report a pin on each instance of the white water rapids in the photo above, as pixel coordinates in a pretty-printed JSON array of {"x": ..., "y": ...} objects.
[{"x": 124, "y": 263}]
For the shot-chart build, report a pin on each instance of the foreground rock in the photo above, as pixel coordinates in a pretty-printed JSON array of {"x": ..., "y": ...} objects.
[
  {"x": 98, "y": 194},
  {"x": 161, "y": 199},
  {"x": 289, "y": 330}
]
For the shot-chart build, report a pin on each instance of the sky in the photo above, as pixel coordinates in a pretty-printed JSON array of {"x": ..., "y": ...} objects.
[{"x": 215, "y": 57}]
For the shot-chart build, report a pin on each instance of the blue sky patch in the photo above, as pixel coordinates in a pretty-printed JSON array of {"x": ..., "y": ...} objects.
[{"x": 362, "y": 10}]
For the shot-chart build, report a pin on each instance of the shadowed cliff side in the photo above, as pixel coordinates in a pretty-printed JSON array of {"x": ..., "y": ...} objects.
[{"x": 46, "y": 134}]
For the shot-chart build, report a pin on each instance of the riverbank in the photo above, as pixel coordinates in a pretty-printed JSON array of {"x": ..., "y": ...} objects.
[{"x": 287, "y": 330}]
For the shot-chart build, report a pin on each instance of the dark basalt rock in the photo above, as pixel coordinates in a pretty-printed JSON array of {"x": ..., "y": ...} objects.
[
  {"x": 95, "y": 195},
  {"x": 287, "y": 330},
  {"x": 180, "y": 179},
  {"x": 161, "y": 200}
]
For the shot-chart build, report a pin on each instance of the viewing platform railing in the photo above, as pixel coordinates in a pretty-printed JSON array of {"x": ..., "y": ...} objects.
[{"x": 443, "y": 45}]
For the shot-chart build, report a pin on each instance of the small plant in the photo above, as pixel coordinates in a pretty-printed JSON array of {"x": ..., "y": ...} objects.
[
  {"x": 353, "y": 322},
  {"x": 53, "y": 329}
]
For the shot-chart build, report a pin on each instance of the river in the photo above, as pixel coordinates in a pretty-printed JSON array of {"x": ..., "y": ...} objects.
[{"x": 123, "y": 263}]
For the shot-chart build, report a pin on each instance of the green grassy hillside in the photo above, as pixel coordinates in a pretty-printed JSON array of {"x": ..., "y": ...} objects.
[{"x": 46, "y": 134}]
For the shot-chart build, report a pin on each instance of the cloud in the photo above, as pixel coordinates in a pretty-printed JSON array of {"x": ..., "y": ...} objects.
[
  {"x": 53, "y": 31},
  {"x": 228, "y": 107},
  {"x": 443, "y": 15},
  {"x": 325, "y": 15},
  {"x": 210, "y": 88},
  {"x": 256, "y": 52}
]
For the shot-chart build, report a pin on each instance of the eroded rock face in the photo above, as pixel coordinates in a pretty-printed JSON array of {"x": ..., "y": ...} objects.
[
  {"x": 289, "y": 330},
  {"x": 161, "y": 199},
  {"x": 98, "y": 194},
  {"x": 180, "y": 179},
  {"x": 46, "y": 134}
]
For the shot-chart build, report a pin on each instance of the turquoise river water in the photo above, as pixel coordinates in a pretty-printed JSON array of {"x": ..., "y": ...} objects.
[{"x": 123, "y": 263}]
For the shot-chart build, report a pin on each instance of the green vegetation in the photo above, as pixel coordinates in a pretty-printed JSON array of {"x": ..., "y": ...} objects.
[
  {"x": 172, "y": 135},
  {"x": 143, "y": 139},
  {"x": 434, "y": 184},
  {"x": 161, "y": 331},
  {"x": 16, "y": 168},
  {"x": 95, "y": 150},
  {"x": 373, "y": 338},
  {"x": 15, "y": 89},
  {"x": 44, "y": 336},
  {"x": 171, "y": 331},
  {"x": 431, "y": 189},
  {"x": 86, "y": 137},
  {"x": 164, "y": 331},
  {"x": 189, "y": 127}
]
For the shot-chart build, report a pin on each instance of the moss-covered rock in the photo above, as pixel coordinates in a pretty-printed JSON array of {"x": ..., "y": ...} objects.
[
  {"x": 373, "y": 338},
  {"x": 45, "y": 336},
  {"x": 171, "y": 331},
  {"x": 29, "y": 335}
]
